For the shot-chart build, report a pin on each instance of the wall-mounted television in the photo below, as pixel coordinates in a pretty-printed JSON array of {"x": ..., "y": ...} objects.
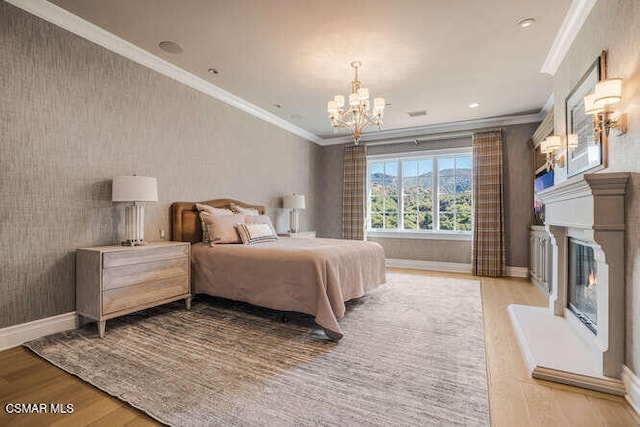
[{"x": 541, "y": 182}]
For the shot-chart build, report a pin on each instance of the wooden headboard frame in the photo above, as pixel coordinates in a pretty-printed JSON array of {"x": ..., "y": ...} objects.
[{"x": 185, "y": 222}]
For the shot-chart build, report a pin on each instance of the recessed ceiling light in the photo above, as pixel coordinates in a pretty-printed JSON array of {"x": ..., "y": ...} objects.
[
  {"x": 277, "y": 105},
  {"x": 213, "y": 70},
  {"x": 526, "y": 22},
  {"x": 169, "y": 46},
  {"x": 474, "y": 105},
  {"x": 417, "y": 113}
]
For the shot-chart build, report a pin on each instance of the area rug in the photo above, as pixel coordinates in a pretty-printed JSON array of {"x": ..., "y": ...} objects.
[{"x": 412, "y": 354}]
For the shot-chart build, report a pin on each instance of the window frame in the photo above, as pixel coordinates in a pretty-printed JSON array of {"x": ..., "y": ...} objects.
[{"x": 400, "y": 232}]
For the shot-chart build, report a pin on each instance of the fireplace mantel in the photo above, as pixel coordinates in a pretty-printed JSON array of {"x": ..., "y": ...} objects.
[
  {"x": 557, "y": 346},
  {"x": 595, "y": 201}
]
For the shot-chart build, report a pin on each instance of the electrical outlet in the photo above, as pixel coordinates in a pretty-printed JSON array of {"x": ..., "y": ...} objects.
[{"x": 163, "y": 234}]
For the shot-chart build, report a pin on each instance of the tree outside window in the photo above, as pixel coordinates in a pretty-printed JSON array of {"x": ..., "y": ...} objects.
[{"x": 427, "y": 193}]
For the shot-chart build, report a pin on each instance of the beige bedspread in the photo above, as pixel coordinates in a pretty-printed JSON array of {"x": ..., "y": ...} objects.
[{"x": 312, "y": 276}]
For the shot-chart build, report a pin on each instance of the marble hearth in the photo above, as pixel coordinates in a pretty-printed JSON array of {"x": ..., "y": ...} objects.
[{"x": 557, "y": 346}]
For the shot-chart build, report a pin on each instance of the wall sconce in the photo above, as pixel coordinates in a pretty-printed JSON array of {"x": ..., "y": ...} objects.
[
  {"x": 599, "y": 102},
  {"x": 549, "y": 147},
  {"x": 572, "y": 142}
]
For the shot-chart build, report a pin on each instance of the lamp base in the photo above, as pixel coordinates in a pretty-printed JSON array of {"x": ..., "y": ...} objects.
[
  {"x": 294, "y": 226},
  {"x": 134, "y": 225}
]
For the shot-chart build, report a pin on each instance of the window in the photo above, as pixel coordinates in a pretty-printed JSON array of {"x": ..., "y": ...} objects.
[{"x": 420, "y": 192}]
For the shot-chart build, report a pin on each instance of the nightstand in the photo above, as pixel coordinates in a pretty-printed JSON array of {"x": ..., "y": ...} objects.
[
  {"x": 112, "y": 281},
  {"x": 300, "y": 235}
]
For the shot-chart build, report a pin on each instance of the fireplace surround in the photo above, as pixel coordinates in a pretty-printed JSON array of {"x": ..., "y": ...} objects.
[{"x": 579, "y": 338}]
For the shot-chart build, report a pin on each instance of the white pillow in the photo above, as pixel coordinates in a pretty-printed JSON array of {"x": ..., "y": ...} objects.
[
  {"x": 213, "y": 211},
  {"x": 245, "y": 211},
  {"x": 256, "y": 233}
]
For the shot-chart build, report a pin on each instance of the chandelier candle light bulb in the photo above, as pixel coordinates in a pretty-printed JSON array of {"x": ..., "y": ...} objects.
[{"x": 357, "y": 117}]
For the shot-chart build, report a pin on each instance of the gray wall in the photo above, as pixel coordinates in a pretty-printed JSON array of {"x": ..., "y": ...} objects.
[
  {"x": 614, "y": 25},
  {"x": 518, "y": 200},
  {"x": 73, "y": 116}
]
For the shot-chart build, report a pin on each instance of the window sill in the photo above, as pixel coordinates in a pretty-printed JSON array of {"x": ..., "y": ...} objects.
[{"x": 432, "y": 235}]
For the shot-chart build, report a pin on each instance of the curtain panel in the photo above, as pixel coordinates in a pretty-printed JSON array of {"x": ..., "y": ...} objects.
[
  {"x": 353, "y": 192},
  {"x": 489, "y": 252}
]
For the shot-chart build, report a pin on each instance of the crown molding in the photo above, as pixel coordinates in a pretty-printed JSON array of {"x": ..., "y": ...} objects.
[
  {"x": 410, "y": 134},
  {"x": 73, "y": 23},
  {"x": 76, "y": 25},
  {"x": 574, "y": 19}
]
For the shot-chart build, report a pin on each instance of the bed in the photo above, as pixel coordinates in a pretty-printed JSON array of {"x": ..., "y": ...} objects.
[{"x": 312, "y": 276}]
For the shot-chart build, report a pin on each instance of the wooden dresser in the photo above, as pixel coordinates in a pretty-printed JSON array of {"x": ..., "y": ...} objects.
[{"x": 115, "y": 280}]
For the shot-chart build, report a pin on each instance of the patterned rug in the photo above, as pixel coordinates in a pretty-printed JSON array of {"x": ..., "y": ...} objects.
[{"x": 412, "y": 354}]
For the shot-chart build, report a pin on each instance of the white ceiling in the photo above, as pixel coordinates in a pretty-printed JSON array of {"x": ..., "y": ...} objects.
[{"x": 419, "y": 54}]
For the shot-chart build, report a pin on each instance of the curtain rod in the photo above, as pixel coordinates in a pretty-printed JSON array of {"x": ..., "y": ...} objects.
[
  {"x": 432, "y": 137},
  {"x": 421, "y": 138}
]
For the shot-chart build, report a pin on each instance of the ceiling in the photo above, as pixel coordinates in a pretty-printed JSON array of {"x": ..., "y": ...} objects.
[{"x": 429, "y": 55}]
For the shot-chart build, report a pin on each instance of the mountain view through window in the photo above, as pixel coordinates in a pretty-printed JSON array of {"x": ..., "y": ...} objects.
[{"x": 426, "y": 193}]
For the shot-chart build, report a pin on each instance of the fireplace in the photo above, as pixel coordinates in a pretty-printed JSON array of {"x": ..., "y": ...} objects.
[
  {"x": 583, "y": 280},
  {"x": 579, "y": 338}
]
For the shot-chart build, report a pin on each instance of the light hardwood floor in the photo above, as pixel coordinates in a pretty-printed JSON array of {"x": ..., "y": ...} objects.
[{"x": 515, "y": 398}]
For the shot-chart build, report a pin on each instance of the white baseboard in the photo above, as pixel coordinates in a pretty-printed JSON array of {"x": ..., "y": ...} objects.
[
  {"x": 632, "y": 384},
  {"x": 454, "y": 267},
  {"x": 518, "y": 272},
  {"x": 451, "y": 267},
  {"x": 13, "y": 336}
]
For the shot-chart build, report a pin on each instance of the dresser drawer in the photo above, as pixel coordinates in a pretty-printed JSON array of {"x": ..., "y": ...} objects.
[
  {"x": 127, "y": 275},
  {"x": 140, "y": 256},
  {"x": 144, "y": 293}
]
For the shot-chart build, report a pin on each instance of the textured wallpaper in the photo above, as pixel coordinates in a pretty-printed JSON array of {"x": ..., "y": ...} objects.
[
  {"x": 72, "y": 116},
  {"x": 614, "y": 25}
]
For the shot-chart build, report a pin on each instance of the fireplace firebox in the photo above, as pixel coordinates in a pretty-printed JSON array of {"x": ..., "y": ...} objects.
[{"x": 582, "y": 284}]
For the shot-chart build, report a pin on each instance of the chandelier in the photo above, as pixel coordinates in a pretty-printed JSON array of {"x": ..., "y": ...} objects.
[{"x": 357, "y": 116}]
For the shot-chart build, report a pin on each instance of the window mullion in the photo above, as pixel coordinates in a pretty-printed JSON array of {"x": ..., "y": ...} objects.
[
  {"x": 368, "y": 198},
  {"x": 400, "y": 195},
  {"x": 455, "y": 194},
  {"x": 436, "y": 196}
]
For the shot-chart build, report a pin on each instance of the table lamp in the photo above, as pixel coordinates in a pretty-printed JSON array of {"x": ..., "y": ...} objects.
[
  {"x": 293, "y": 202},
  {"x": 134, "y": 189}
]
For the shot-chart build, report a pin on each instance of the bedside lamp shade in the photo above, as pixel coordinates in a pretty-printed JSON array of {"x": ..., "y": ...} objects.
[
  {"x": 293, "y": 202},
  {"x": 134, "y": 189}
]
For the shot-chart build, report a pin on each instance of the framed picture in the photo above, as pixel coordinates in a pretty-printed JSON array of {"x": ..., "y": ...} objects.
[{"x": 591, "y": 149}]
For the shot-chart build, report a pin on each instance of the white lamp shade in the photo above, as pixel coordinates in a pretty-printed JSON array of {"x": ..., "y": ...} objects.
[
  {"x": 339, "y": 100},
  {"x": 544, "y": 144},
  {"x": 589, "y": 104},
  {"x": 134, "y": 189},
  {"x": 294, "y": 201},
  {"x": 554, "y": 142},
  {"x": 572, "y": 141},
  {"x": 608, "y": 92}
]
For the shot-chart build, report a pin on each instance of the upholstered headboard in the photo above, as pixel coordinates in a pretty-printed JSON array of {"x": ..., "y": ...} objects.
[{"x": 185, "y": 223}]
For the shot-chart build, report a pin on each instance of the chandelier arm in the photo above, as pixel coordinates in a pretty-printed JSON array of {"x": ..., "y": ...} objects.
[{"x": 342, "y": 123}]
